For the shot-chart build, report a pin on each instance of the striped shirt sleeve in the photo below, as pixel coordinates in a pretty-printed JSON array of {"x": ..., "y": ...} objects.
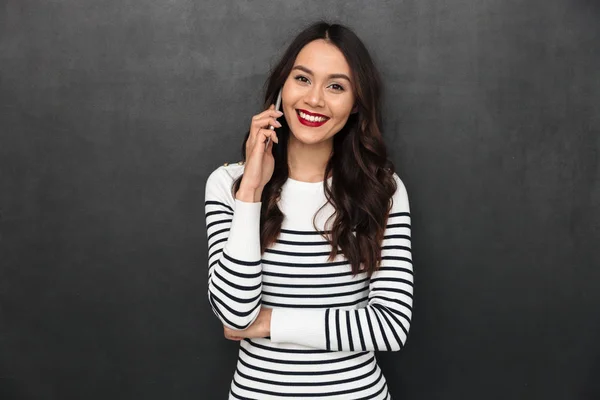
[
  {"x": 381, "y": 325},
  {"x": 234, "y": 259}
]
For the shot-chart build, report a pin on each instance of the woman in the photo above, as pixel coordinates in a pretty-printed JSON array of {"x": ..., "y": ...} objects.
[{"x": 309, "y": 238}]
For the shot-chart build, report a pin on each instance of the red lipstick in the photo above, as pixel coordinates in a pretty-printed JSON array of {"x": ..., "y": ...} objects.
[{"x": 313, "y": 124}]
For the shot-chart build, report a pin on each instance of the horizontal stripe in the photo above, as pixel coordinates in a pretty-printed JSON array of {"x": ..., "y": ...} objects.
[
  {"x": 293, "y": 243},
  {"x": 299, "y": 362},
  {"x": 241, "y": 262},
  {"x": 296, "y": 254},
  {"x": 391, "y": 247},
  {"x": 315, "y": 295},
  {"x": 211, "y": 213},
  {"x": 334, "y": 358},
  {"x": 303, "y": 265},
  {"x": 234, "y": 298},
  {"x": 395, "y": 269},
  {"x": 213, "y": 244},
  {"x": 226, "y": 320},
  {"x": 281, "y": 350},
  {"x": 393, "y": 258},
  {"x": 318, "y": 371},
  {"x": 215, "y": 234},
  {"x": 239, "y": 274},
  {"x": 293, "y": 275},
  {"x": 297, "y": 384},
  {"x": 398, "y": 226},
  {"x": 233, "y": 311},
  {"x": 313, "y": 286},
  {"x": 217, "y": 203},
  {"x": 321, "y": 394},
  {"x": 308, "y": 233},
  {"x": 300, "y": 305},
  {"x": 236, "y": 286},
  {"x": 396, "y": 237},
  {"x": 225, "y": 221}
]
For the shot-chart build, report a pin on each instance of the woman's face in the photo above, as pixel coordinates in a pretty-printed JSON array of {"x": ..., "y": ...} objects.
[{"x": 317, "y": 96}]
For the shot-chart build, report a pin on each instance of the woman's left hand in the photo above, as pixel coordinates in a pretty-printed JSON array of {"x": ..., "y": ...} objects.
[{"x": 260, "y": 328}]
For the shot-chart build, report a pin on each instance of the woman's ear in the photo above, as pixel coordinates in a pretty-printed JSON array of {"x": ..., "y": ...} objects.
[{"x": 354, "y": 109}]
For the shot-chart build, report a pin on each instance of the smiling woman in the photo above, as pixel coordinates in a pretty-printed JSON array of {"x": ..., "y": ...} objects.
[
  {"x": 329, "y": 95},
  {"x": 310, "y": 263}
]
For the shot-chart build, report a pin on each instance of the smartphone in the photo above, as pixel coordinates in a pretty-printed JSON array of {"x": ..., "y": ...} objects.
[{"x": 277, "y": 107}]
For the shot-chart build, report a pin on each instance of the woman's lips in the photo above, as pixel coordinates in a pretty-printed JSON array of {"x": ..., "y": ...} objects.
[{"x": 312, "y": 124}]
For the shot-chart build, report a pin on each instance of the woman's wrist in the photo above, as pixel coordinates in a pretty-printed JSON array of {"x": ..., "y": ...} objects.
[{"x": 248, "y": 195}]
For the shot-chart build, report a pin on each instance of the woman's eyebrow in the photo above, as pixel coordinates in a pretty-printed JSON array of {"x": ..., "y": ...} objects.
[{"x": 332, "y": 76}]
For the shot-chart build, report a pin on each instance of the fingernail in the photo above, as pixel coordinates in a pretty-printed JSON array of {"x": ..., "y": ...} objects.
[
  {"x": 279, "y": 113},
  {"x": 277, "y": 124}
]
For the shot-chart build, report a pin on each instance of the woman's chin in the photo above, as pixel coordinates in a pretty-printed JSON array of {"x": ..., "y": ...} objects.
[{"x": 308, "y": 138}]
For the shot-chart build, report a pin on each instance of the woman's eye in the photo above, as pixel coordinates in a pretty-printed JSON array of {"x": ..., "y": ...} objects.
[
  {"x": 301, "y": 79},
  {"x": 337, "y": 87}
]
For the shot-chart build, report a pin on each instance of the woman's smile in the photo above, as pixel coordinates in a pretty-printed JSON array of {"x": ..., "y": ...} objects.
[
  {"x": 319, "y": 91},
  {"x": 311, "y": 119}
]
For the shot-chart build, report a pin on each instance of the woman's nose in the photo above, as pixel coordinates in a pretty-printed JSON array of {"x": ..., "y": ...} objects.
[{"x": 314, "y": 97}]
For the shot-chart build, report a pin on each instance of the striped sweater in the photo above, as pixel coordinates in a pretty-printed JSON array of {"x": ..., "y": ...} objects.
[{"x": 325, "y": 323}]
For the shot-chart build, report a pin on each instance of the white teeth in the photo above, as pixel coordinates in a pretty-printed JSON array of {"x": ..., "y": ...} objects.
[{"x": 312, "y": 118}]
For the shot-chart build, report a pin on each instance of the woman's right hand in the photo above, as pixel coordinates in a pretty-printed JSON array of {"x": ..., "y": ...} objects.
[{"x": 260, "y": 163}]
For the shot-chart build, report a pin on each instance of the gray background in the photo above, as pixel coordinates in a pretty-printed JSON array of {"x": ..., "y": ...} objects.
[{"x": 114, "y": 112}]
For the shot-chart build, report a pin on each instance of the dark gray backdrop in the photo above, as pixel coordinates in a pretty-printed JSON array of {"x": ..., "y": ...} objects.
[{"x": 113, "y": 113}]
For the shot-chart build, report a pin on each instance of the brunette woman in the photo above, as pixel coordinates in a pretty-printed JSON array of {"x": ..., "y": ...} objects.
[{"x": 309, "y": 236}]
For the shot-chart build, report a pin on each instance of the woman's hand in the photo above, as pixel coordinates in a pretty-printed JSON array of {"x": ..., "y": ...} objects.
[
  {"x": 259, "y": 161},
  {"x": 260, "y": 328}
]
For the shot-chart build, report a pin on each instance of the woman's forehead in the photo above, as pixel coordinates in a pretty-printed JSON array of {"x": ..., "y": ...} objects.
[{"x": 322, "y": 58}]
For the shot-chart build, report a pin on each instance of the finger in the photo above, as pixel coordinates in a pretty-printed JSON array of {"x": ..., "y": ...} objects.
[
  {"x": 266, "y": 122},
  {"x": 264, "y": 134},
  {"x": 256, "y": 145},
  {"x": 269, "y": 147},
  {"x": 270, "y": 112},
  {"x": 274, "y": 137}
]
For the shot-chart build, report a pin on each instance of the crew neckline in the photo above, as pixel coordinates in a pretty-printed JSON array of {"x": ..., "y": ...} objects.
[{"x": 307, "y": 184}]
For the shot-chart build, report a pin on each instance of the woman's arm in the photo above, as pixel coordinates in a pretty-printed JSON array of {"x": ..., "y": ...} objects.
[
  {"x": 234, "y": 259},
  {"x": 383, "y": 324}
]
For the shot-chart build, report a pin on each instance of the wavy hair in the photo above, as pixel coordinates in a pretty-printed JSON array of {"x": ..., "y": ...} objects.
[{"x": 362, "y": 181}]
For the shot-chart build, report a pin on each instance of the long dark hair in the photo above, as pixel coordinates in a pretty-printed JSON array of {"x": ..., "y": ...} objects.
[{"x": 362, "y": 181}]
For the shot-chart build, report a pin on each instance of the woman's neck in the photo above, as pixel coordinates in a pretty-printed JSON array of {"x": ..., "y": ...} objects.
[{"x": 307, "y": 162}]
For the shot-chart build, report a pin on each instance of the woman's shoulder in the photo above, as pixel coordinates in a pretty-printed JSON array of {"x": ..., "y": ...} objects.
[
  {"x": 220, "y": 181},
  {"x": 398, "y": 180},
  {"x": 228, "y": 171},
  {"x": 400, "y": 197}
]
